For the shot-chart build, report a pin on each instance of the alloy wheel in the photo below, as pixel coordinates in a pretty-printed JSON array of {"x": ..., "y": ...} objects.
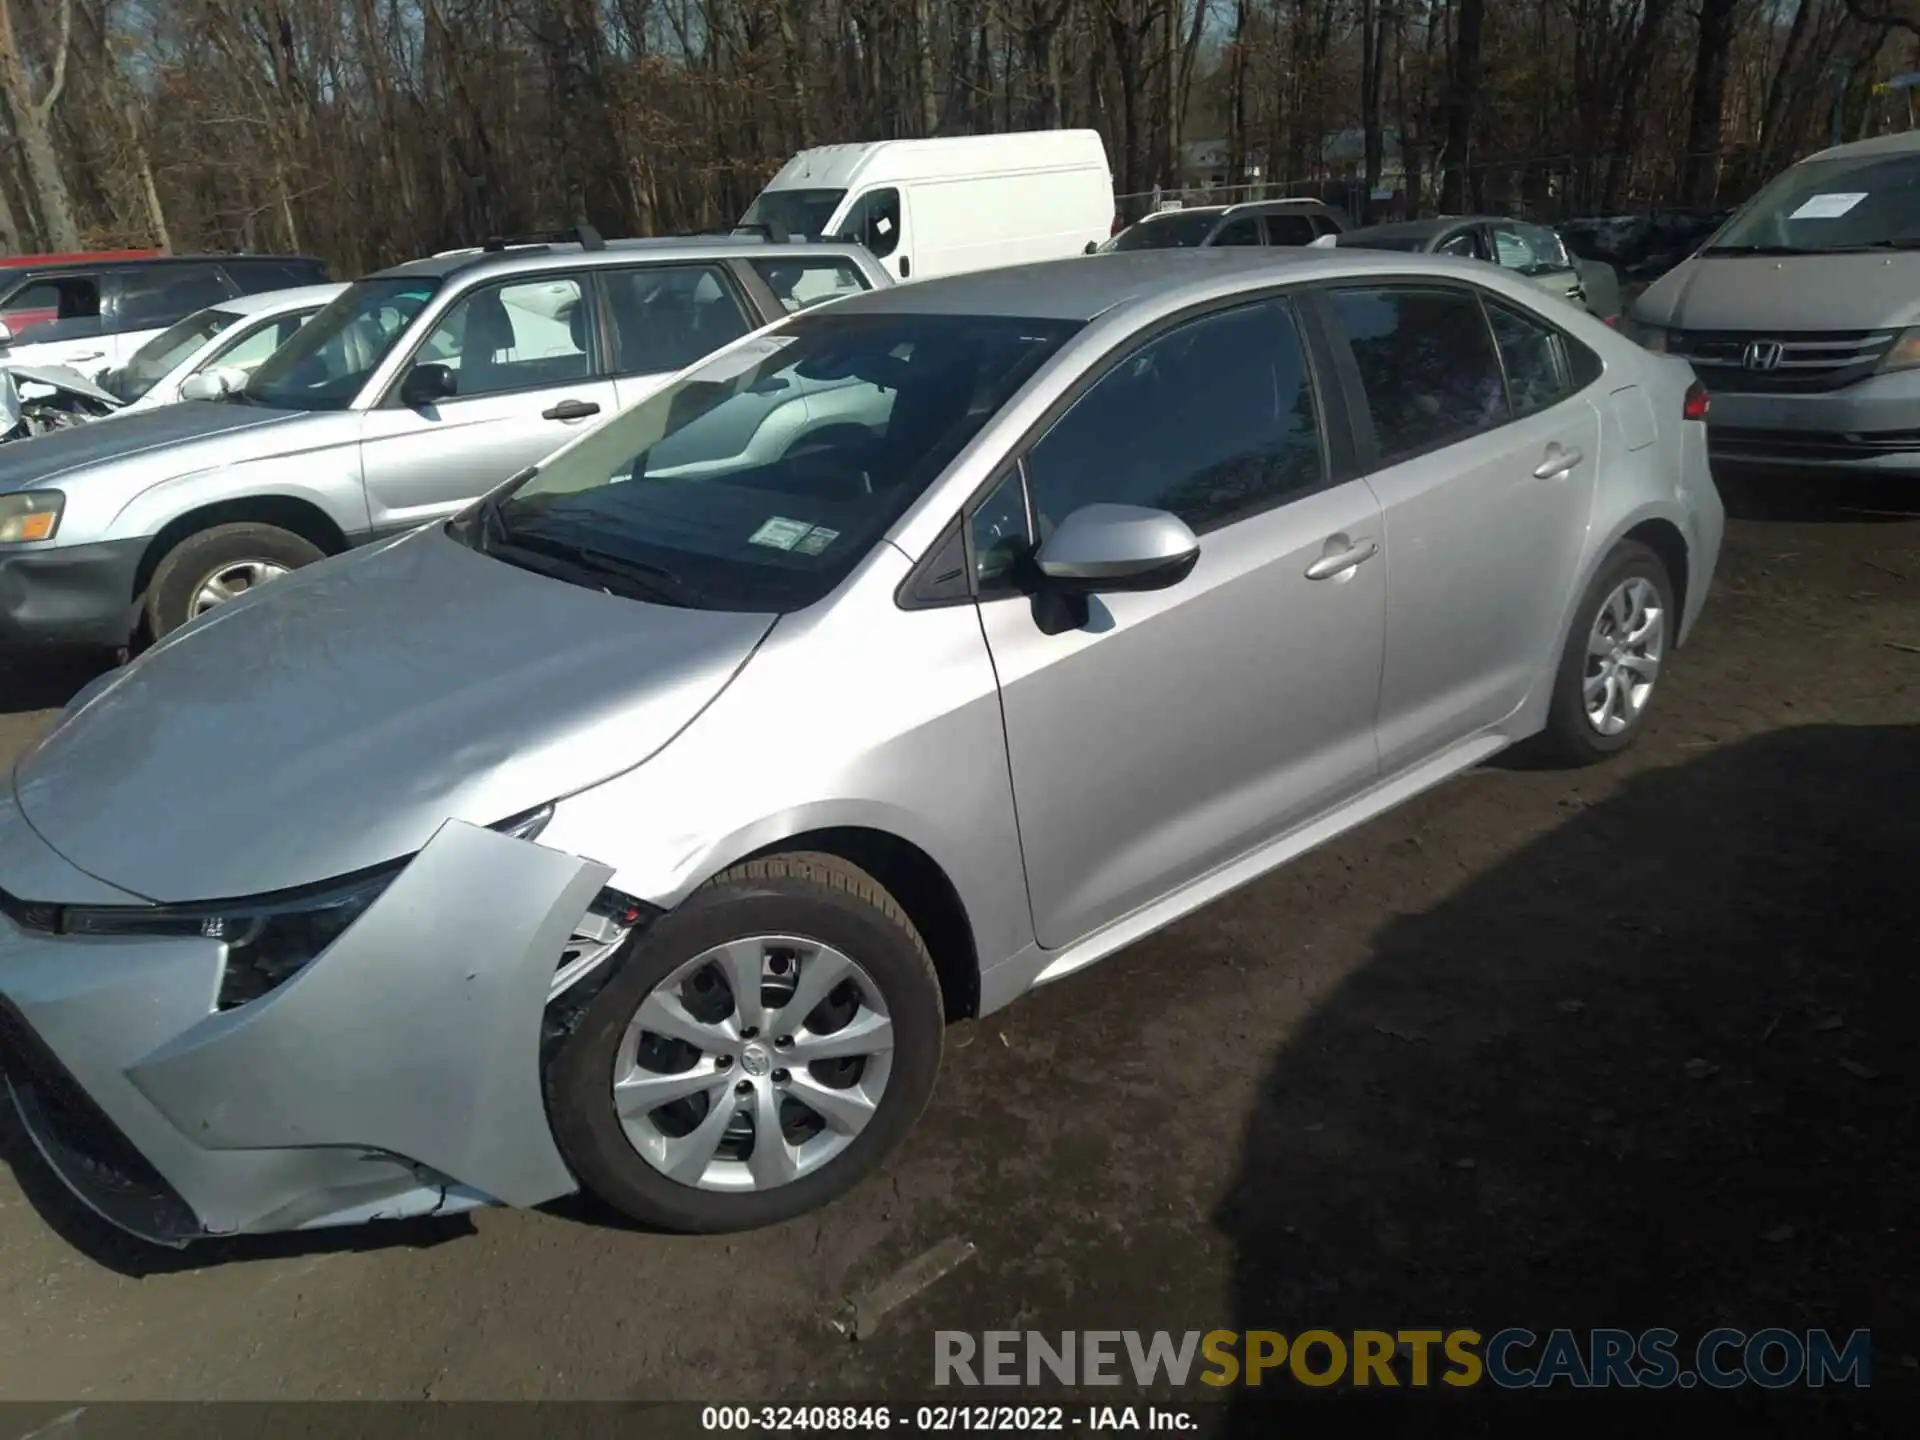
[
  {"x": 753, "y": 1064},
  {"x": 1624, "y": 650},
  {"x": 232, "y": 581}
]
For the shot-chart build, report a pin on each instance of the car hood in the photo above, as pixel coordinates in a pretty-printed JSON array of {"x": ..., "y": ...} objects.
[
  {"x": 1786, "y": 293},
  {"x": 333, "y": 720},
  {"x": 173, "y": 426}
]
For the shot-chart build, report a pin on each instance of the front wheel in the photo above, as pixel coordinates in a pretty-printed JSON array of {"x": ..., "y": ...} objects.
[
  {"x": 218, "y": 564},
  {"x": 762, "y": 1050},
  {"x": 1611, "y": 666}
]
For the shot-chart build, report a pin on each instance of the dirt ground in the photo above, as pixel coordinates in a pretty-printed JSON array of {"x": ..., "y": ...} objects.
[{"x": 1631, "y": 1047}]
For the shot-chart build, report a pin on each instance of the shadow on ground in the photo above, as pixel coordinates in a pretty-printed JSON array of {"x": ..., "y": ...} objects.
[
  {"x": 1804, "y": 496},
  {"x": 1655, "y": 1070},
  {"x": 45, "y": 679}
]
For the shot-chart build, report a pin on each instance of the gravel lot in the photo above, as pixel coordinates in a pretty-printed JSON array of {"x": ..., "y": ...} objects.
[{"x": 1628, "y": 1047}]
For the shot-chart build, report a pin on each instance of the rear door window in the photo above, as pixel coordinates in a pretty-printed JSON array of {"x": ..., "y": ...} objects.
[
  {"x": 1289, "y": 229},
  {"x": 665, "y": 317},
  {"x": 1242, "y": 231},
  {"x": 1534, "y": 357},
  {"x": 800, "y": 283},
  {"x": 1427, "y": 363}
]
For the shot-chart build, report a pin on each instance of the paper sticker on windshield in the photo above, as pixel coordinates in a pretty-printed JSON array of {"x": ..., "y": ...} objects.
[
  {"x": 780, "y": 533},
  {"x": 1830, "y": 206},
  {"x": 815, "y": 540}
]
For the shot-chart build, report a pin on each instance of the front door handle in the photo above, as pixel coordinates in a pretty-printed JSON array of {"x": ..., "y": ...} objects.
[
  {"x": 1341, "y": 561},
  {"x": 1558, "y": 462},
  {"x": 571, "y": 410}
]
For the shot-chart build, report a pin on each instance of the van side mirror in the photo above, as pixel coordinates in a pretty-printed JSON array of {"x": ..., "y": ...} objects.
[{"x": 427, "y": 385}]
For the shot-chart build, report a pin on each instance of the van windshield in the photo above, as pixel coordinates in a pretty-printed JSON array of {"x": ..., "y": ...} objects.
[
  {"x": 798, "y": 212},
  {"x": 1865, "y": 202}
]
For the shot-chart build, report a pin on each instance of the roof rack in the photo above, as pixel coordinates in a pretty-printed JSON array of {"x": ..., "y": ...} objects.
[{"x": 583, "y": 235}]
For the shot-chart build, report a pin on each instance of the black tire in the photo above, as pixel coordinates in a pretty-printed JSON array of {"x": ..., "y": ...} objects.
[
  {"x": 1570, "y": 738},
  {"x": 814, "y": 896},
  {"x": 189, "y": 564}
]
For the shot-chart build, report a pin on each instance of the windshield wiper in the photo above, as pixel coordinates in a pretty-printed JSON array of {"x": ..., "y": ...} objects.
[
  {"x": 1765, "y": 250},
  {"x": 650, "y": 581},
  {"x": 1894, "y": 242}
]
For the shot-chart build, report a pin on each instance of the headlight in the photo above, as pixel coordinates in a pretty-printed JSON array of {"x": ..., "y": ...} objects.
[
  {"x": 268, "y": 939},
  {"x": 1904, "y": 353},
  {"x": 30, "y": 514}
]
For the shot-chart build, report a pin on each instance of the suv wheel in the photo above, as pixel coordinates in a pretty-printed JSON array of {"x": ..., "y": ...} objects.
[
  {"x": 1620, "y": 638},
  {"x": 760, "y": 1051},
  {"x": 220, "y": 564}
]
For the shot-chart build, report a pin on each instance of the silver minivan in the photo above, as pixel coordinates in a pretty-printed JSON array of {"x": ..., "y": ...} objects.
[{"x": 1802, "y": 316}]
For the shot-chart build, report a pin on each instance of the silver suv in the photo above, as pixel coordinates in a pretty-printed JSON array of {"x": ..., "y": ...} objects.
[{"x": 414, "y": 391}]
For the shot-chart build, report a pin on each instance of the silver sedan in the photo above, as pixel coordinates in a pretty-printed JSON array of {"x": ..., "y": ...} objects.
[{"x": 642, "y": 828}]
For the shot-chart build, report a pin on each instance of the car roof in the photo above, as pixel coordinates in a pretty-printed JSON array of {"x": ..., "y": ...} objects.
[
  {"x": 1083, "y": 288},
  {"x": 1900, "y": 143},
  {"x": 572, "y": 254},
  {"x": 59, "y": 266},
  {"x": 266, "y": 302}
]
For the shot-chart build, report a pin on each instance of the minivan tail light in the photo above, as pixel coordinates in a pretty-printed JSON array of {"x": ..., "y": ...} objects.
[{"x": 1696, "y": 403}]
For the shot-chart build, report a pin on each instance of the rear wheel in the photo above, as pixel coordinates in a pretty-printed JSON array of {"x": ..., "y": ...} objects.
[
  {"x": 219, "y": 564},
  {"x": 759, "y": 1053},
  {"x": 1611, "y": 667}
]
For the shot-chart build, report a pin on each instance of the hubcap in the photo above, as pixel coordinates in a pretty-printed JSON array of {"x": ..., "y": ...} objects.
[
  {"x": 1623, "y": 656},
  {"x": 233, "y": 580},
  {"x": 753, "y": 1064}
]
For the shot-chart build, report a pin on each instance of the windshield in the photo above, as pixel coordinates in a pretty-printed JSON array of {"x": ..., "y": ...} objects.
[
  {"x": 760, "y": 480},
  {"x": 1864, "y": 202},
  {"x": 329, "y": 358},
  {"x": 1530, "y": 249},
  {"x": 798, "y": 212},
  {"x": 152, "y": 361},
  {"x": 1169, "y": 230}
]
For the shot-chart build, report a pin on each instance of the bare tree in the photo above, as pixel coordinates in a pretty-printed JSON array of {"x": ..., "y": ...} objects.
[{"x": 32, "y": 118}]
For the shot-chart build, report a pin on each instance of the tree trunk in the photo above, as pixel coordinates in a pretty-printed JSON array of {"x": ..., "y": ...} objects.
[
  {"x": 1463, "y": 93},
  {"x": 1373, "y": 32},
  {"x": 1700, "y": 166},
  {"x": 33, "y": 126}
]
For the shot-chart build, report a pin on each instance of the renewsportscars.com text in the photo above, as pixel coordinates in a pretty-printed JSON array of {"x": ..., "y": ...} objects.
[{"x": 1513, "y": 1358}]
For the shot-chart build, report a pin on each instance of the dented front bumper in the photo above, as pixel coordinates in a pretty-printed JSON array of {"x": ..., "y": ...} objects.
[{"x": 396, "y": 1074}]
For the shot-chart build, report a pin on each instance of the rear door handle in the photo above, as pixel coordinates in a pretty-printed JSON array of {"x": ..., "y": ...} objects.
[
  {"x": 571, "y": 410},
  {"x": 1341, "y": 561},
  {"x": 1557, "y": 463}
]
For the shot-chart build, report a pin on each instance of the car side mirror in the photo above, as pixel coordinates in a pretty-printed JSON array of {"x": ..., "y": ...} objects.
[
  {"x": 427, "y": 385},
  {"x": 214, "y": 383},
  {"x": 1105, "y": 548}
]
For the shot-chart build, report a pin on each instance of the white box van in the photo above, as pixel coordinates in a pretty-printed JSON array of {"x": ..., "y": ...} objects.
[{"x": 943, "y": 207}]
